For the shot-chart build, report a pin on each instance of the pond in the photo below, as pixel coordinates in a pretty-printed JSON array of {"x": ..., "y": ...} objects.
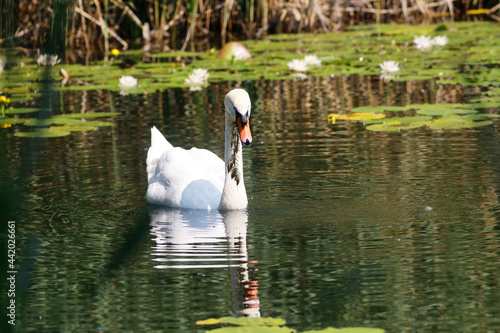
[{"x": 346, "y": 226}]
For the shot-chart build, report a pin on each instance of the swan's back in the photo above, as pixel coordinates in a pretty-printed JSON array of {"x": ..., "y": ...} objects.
[{"x": 183, "y": 178}]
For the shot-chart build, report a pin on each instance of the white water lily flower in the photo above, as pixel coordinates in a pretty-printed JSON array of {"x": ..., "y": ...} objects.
[
  {"x": 48, "y": 60},
  {"x": 127, "y": 82},
  {"x": 389, "y": 66},
  {"x": 440, "y": 40},
  {"x": 298, "y": 65},
  {"x": 199, "y": 76},
  {"x": 422, "y": 42},
  {"x": 312, "y": 60}
]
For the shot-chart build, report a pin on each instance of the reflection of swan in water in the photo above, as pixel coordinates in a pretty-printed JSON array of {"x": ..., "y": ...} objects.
[
  {"x": 245, "y": 299},
  {"x": 188, "y": 239}
]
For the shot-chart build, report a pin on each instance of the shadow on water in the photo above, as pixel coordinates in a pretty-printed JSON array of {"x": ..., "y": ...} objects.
[{"x": 13, "y": 193}]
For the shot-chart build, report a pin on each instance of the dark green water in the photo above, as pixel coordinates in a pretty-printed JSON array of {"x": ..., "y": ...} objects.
[{"x": 345, "y": 227}]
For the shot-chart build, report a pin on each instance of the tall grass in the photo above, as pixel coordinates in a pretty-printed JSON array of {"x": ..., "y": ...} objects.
[{"x": 199, "y": 24}]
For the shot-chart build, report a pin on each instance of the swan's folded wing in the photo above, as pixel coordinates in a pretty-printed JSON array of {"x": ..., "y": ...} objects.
[
  {"x": 159, "y": 145},
  {"x": 187, "y": 178}
]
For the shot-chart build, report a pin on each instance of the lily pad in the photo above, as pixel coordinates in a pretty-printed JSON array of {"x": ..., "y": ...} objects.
[
  {"x": 449, "y": 123},
  {"x": 440, "y": 106},
  {"x": 76, "y": 128},
  {"x": 332, "y": 117},
  {"x": 444, "y": 111},
  {"x": 21, "y": 110},
  {"x": 42, "y": 133},
  {"x": 13, "y": 121},
  {"x": 52, "y": 121},
  {"x": 394, "y": 126},
  {"x": 480, "y": 116},
  {"x": 444, "y": 123},
  {"x": 253, "y": 329},
  {"x": 97, "y": 123},
  {"x": 243, "y": 321},
  {"x": 271, "y": 325},
  {"x": 478, "y": 124},
  {"x": 402, "y": 120},
  {"x": 348, "y": 330}
]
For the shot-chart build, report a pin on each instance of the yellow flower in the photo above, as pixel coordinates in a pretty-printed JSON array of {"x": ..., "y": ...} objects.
[
  {"x": 115, "y": 52},
  {"x": 5, "y": 125},
  {"x": 3, "y": 99}
]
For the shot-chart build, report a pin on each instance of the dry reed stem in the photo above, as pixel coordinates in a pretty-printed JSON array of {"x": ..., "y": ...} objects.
[
  {"x": 228, "y": 6},
  {"x": 126, "y": 9},
  {"x": 178, "y": 22},
  {"x": 96, "y": 22}
]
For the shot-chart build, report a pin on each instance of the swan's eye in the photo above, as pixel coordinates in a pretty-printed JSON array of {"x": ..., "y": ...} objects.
[{"x": 244, "y": 119}]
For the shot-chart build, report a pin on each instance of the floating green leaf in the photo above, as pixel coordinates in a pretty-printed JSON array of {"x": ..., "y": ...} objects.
[
  {"x": 401, "y": 120},
  {"x": 348, "y": 330},
  {"x": 444, "y": 111},
  {"x": 271, "y": 325},
  {"x": 394, "y": 126},
  {"x": 253, "y": 329},
  {"x": 76, "y": 128},
  {"x": 43, "y": 133},
  {"x": 444, "y": 123},
  {"x": 97, "y": 123},
  {"x": 332, "y": 117},
  {"x": 478, "y": 124},
  {"x": 448, "y": 123},
  {"x": 243, "y": 321},
  {"x": 52, "y": 121},
  {"x": 248, "y": 325},
  {"x": 12, "y": 121},
  {"x": 440, "y": 106},
  {"x": 21, "y": 110}
]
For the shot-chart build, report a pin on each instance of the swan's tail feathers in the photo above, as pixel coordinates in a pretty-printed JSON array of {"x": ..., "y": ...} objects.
[{"x": 159, "y": 145}]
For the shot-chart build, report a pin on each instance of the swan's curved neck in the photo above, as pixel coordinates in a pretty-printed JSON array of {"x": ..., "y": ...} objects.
[{"x": 234, "y": 195}]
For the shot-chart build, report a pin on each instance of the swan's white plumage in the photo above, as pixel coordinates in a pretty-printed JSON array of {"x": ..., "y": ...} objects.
[
  {"x": 183, "y": 178},
  {"x": 196, "y": 178}
]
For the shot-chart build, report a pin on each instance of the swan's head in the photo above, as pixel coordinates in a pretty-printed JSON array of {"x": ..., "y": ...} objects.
[{"x": 238, "y": 107}]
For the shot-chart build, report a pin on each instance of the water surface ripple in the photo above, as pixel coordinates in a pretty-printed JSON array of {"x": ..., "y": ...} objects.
[{"x": 345, "y": 227}]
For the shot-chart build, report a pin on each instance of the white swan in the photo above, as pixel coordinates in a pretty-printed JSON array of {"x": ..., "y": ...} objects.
[{"x": 197, "y": 178}]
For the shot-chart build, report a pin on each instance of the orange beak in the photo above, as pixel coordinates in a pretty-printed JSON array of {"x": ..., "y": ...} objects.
[{"x": 245, "y": 134}]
